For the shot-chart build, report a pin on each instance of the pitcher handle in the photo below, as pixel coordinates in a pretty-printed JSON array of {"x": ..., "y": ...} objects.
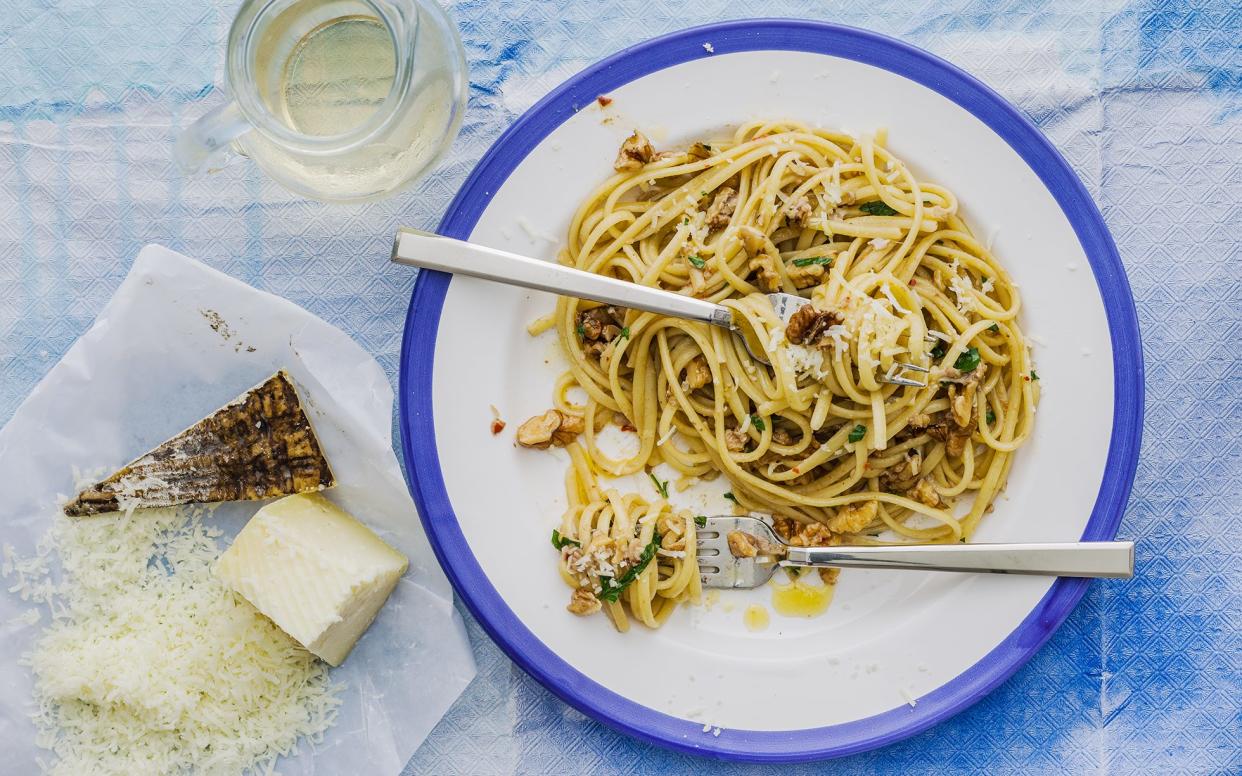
[{"x": 209, "y": 137}]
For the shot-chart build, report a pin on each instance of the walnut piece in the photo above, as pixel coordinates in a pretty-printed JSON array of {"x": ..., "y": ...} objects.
[
  {"x": 551, "y": 428},
  {"x": 722, "y": 208},
  {"x": 805, "y": 534},
  {"x": 766, "y": 277},
  {"x": 806, "y": 277},
  {"x": 736, "y": 440},
  {"x": 743, "y": 545},
  {"x": 698, "y": 374},
  {"x": 925, "y": 492},
  {"x": 635, "y": 152},
  {"x": 852, "y": 518},
  {"x": 700, "y": 151},
  {"x": 583, "y": 602},
  {"x": 808, "y": 324},
  {"x": 799, "y": 211}
]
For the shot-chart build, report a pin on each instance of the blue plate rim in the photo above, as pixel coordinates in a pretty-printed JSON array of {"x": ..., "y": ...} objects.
[{"x": 423, "y": 471}]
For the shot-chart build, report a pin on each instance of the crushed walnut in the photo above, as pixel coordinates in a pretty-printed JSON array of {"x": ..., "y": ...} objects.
[
  {"x": 743, "y": 545},
  {"x": 765, "y": 273},
  {"x": 808, "y": 325},
  {"x": 925, "y": 492},
  {"x": 735, "y": 440},
  {"x": 599, "y": 327},
  {"x": 721, "y": 209},
  {"x": 635, "y": 152},
  {"x": 700, "y": 150},
  {"x": 551, "y": 428},
  {"x": 583, "y": 602},
  {"x": 853, "y": 518},
  {"x": 808, "y": 276},
  {"x": 956, "y": 426},
  {"x": 698, "y": 374},
  {"x": 805, "y": 534},
  {"x": 799, "y": 212}
]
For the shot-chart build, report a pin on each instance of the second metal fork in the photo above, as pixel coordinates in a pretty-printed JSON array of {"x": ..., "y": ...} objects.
[{"x": 720, "y": 566}]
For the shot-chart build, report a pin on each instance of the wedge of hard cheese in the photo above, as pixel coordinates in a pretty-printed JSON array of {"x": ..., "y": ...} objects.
[
  {"x": 314, "y": 570},
  {"x": 258, "y": 446}
]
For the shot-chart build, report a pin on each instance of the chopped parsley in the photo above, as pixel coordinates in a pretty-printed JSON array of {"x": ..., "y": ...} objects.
[
  {"x": 696, "y": 261},
  {"x": 991, "y": 416},
  {"x": 581, "y": 331},
  {"x": 610, "y": 589},
  {"x": 757, "y": 422},
  {"x": 660, "y": 485},
  {"x": 822, "y": 261},
  {"x": 877, "y": 208},
  {"x": 700, "y": 520},
  {"x": 625, "y": 333},
  {"x": 686, "y": 221},
  {"x": 559, "y": 541},
  {"x": 1033, "y": 375},
  {"x": 938, "y": 350},
  {"x": 731, "y": 497},
  {"x": 994, "y": 328},
  {"x": 702, "y": 193},
  {"x": 858, "y": 433},
  {"x": 967, "y": 361}
]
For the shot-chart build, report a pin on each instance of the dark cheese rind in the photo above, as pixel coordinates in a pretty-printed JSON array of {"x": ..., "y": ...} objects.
[{"x": 259, "y": 446}]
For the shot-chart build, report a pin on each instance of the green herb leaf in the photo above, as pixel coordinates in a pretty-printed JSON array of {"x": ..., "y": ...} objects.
[
  {"x": 731, "y": 497},
  {"x": 858, "y": 433},
  {"x": 967, "y": 361},
  {"x": 991, "y": 416},
  {"x": 581, "y": 331},
  {"x": 1033, "y": 375},
  {"x": 660, "y": 485},
  {"x": 702, "y": 193},
  {"x": 994, "y": 328},
  {"x": 938, "y": 350},
  {"x": 877, "y": 208},
  {"x": 822, "y": 261},
  {"x": 685, "y": 221},
  {"x": 757, "y": 422},
  {"x": 610, "y": 589},
  {"x": 700, "y": 520},
  {"x": 696, "y": 261},
  {"x": 559, "y": 541},
  {"x": 625, "y": 333}
]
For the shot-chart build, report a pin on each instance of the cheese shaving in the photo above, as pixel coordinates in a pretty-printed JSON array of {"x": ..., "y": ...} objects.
[{"x": 150, "y": 665}]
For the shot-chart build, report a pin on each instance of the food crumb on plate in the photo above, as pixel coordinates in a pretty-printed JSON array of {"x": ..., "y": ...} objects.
[{"x": 709, "y": 48}]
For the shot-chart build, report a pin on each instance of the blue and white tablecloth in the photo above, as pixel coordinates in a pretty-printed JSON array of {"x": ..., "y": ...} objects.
[{"x": 1145, "y": 99}]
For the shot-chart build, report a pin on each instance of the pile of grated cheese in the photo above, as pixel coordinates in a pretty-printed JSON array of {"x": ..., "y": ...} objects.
[{"x": 149, "y": 664}]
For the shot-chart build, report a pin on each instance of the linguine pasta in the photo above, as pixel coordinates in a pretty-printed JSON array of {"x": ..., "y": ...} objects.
[{"x": 817, "y": 438}]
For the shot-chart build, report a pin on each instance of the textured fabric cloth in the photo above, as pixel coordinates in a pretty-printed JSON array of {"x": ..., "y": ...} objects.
[{"x": 1144, "y": 99}]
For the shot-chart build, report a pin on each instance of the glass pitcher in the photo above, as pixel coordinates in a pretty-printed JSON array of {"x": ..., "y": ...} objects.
[{"x": 338, "y": 100}]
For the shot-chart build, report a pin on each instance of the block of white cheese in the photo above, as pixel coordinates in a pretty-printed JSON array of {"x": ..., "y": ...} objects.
[{"x": 314, "y": 570}]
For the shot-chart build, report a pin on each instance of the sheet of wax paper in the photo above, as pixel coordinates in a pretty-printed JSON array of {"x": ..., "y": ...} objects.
[{"x": 177, "y": 341}]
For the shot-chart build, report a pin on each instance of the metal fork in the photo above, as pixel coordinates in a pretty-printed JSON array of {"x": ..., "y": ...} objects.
[
  {"x": 416, "y": 248},
  {"x": 719, "y": 567}
]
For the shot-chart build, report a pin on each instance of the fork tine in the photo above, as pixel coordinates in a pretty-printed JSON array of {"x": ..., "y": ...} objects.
[{"x": 896, "y": 375}]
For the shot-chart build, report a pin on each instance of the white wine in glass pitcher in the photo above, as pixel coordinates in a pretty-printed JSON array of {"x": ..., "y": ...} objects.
[{"x": 338, "y": 100}]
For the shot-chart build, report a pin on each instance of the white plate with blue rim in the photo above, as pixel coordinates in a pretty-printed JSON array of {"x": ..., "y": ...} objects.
[{"x": 897, "y": 651}]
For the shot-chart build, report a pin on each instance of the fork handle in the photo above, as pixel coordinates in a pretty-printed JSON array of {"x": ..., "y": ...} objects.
[
  {"x": 432, "y": 251},
  {"x": 1073, "y": 559}
]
